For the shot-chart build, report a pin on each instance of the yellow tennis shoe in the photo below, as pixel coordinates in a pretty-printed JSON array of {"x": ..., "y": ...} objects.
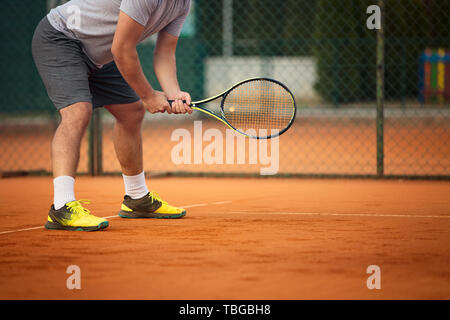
[
  {"x": 149, "y": 206},
  {"x": 73, "y": 216}
]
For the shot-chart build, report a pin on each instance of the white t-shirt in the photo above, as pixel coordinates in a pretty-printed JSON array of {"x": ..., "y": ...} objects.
[{"x": 94, "y": 22}]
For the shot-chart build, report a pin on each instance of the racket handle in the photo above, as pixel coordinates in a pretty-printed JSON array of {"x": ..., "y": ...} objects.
[{"x": 171, "y": 101}]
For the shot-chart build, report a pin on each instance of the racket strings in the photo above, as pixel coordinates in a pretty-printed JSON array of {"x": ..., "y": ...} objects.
[{"x": 260, "y": 106}]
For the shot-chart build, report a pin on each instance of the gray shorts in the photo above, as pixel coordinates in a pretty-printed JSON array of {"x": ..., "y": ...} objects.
[{"x": 71, "y": 77}]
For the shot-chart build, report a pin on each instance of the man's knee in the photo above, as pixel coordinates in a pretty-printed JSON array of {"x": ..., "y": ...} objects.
[
  {"x": 77, "y": 115},
  {"x": 136, "y": 113},
  {"x": 130, "y": 114}
]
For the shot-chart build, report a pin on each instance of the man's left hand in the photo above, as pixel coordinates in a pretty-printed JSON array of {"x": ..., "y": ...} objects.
[{"x": 178, "y": 106}]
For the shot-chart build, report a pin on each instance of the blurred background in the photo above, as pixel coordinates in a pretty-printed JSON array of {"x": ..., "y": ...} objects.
[{"x": 349, "y": 121}]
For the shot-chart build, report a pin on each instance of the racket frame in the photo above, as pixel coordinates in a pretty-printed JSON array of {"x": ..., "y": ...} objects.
[{"x": 195, "y": 106}]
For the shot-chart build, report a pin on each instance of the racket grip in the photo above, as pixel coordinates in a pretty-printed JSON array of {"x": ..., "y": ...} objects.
[{"x": 171, "y": 101}]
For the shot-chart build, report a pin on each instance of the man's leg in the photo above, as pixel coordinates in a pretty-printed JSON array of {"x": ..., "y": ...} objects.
[
  {"x": 128, "y": 146},
  {"x": 138, "y": 202},
  {"x": 67, "y": 139},
  {"x": 67, "y": 213},
  {"x": 127, "y": 136},
  {"x": 66, "y": 150}
]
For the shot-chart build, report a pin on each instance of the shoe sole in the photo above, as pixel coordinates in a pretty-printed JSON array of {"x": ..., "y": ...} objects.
[
  {"x": 146, "y": 215},
  {"x": 56, "y": 226}
]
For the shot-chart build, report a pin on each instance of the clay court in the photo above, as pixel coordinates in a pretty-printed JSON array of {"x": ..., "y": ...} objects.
[{"x": 241, "y": 239}]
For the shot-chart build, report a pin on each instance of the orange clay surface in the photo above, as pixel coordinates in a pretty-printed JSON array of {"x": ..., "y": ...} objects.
[{"x": 241, "y": 239}]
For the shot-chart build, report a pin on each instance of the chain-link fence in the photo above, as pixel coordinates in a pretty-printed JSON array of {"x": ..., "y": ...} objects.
[{"x": 325, "y": 51}]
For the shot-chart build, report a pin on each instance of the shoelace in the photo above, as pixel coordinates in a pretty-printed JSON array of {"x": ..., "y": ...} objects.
[
  {"x": 154, "y": 196},
  {"x": 76, "y": 207}
]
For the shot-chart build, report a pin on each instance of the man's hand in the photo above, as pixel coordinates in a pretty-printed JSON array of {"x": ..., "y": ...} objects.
[
  {"x": 178, "y": 106},
  {"x": 157, "y": 102}
]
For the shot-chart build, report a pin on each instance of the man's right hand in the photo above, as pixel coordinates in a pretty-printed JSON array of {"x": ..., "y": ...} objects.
[{"x": 157, "y": 102}]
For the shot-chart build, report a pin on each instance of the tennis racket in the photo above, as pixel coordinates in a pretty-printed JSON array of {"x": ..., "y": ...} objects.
[{"x": 258, "y": 108}]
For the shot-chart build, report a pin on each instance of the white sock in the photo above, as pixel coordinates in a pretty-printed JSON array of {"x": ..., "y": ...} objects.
[
  {"x": 63, "y": 188},
  {"x": 135, "y": 186}
]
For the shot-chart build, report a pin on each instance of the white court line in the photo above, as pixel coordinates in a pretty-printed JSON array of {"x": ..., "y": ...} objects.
[
  {"x": 343, "y": 214},
  {"x": 19, "y": 230},
  {"x": 116, "y": 216},
  {"x": 222, "y": 202}
]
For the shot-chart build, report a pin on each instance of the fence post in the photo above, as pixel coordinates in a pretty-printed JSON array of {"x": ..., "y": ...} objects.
[
  {"x": 227, "y": 25},
  {"x": 380, "y": 93},
  {"x": 95, "y": 144}
]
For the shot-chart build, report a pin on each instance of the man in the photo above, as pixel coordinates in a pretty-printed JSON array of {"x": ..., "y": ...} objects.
[{"x": 85, "y": 52}]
